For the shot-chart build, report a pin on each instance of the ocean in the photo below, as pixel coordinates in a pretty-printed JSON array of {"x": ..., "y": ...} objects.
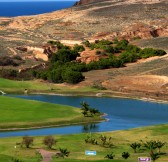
[{"x": 12, "y": 9}]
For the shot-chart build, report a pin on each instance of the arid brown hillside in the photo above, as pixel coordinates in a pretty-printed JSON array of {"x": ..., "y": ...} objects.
[{"x": 143, "y": 22}]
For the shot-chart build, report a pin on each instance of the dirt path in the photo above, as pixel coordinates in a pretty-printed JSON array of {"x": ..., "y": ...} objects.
[{"x": 47, "y": 155}]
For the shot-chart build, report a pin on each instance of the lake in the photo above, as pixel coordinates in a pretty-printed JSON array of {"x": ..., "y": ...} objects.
[{"x": 122, "y": 114}]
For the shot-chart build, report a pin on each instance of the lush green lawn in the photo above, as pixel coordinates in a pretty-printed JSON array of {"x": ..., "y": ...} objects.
[
  {"x": 77, "y": 146},
  {"x": 17, "y": 113},
  {"x": 11, "y": 86}
]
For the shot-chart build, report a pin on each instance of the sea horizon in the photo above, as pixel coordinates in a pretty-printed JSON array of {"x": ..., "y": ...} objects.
[{"x": 29, "y": 8}]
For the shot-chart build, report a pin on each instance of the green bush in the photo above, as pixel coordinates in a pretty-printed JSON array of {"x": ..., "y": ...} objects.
[
  {"x": 128, "y": 57},
  {"x": 78, "y": 48},
  {"x": 56, "y": 75},
  {"x": 149, "y": 52},
  {"x": 122, "y": 45},
  {"x": 64, "y": 55},
  {"x": 72, "y": 77}
]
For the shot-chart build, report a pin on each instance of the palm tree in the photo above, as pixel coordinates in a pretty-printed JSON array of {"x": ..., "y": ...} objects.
[
  {"x": 110, "y": 156},
  {"x": 85, "y": 106},
  {"x": 134, "y": 146},
  {"x": 150, "y": 146},
  {"x": 160, "y": 145},
  {"x": 64, "y": 152},
  {"x": 125, "y": 155}
]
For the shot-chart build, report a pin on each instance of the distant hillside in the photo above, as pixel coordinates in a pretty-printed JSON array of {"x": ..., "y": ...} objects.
[{"x": 94, "y": 19}]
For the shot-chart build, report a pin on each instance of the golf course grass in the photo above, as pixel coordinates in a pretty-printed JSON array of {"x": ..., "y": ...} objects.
[
  {"x": 38, "y": 86},
  {"x": 20, "y": 113},
  {"x": 77, "y": 146}
]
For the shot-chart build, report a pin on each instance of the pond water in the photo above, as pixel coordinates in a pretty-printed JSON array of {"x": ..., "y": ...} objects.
[{"x": 121, "y": 114}]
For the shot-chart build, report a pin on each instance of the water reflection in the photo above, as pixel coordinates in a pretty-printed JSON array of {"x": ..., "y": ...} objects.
[{"x": 90, "y": 128}]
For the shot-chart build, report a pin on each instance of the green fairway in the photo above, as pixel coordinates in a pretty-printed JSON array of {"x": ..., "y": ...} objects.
[
  {"x": 20, "y": 113},
  {"x": 37, "y": 86},
  {"x": 77, "y": 146}
]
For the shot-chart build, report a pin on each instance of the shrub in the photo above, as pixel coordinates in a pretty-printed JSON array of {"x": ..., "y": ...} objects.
[
  {"x": 49, "y": 141},
  {"x": 149, "y": 52},
  {"x": 128, "y": 57},
  {"x": 56, "y": 75},
  {"x": 72, "y": 77},
  {"x": 122, "y": 45},
  {"x": 109, "y": 49},
  {"x": 125, "y": 155},
  {"x": 98, "y": 86},
  {"x": 64, "y": 55},
  {"x": 110, "y": 156}
]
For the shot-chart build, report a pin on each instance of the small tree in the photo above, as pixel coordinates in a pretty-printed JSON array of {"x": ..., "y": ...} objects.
[
  {"x": 110, "y": 156},
  {"x": 49, "y": 141},
  {"x": 125, "y": 155},
  {"x": 135, "y": 146},
  {"x": 150, "y": 146},
  {"x": 27, "y": 141}
]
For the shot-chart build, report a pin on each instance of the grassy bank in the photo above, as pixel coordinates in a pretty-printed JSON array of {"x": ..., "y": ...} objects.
[
  {"x": 33, "y": 86},
  {"x": 77, "y": 146},
  {"x": 20, "y": 113}
]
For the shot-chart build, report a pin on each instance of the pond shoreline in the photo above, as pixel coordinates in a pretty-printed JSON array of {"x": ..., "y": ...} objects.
[{"x": 103, "y": 94}]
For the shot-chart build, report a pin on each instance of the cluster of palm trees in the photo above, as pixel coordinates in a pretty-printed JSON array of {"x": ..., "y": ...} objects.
[
  {"x": 111, "y": 155},
  {"x": 87, "y": 111},
  {"x": 151, "y": 146}
]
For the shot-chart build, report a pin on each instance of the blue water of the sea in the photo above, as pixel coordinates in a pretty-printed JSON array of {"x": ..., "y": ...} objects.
[{"x": 12, "y": 9}]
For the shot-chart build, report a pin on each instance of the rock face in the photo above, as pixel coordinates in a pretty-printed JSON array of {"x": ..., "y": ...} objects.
[
  {"x": 139, "y": 31},
  {"x": 88, "y": 56},
  {"x": 43, "y": 53}
]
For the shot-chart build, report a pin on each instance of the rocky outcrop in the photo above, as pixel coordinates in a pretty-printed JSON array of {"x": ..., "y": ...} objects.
[
  {"x": 43, "y": 53},
  {"x": 89, "y": 56},
  {"x": 137, "y": 31},
  {"x": 35, "y": 67}
]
